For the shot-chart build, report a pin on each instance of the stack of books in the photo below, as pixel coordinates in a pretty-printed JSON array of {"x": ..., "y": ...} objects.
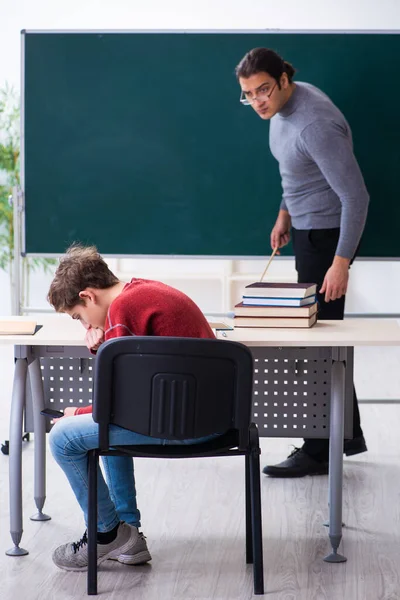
[{"x": 277, "y": 305}]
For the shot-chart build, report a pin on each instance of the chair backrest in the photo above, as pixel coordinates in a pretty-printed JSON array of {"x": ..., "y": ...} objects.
[{"x": 173, "y": 388}]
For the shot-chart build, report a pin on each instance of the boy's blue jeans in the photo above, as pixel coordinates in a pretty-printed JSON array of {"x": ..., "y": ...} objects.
[{"x": 71, "y": 439}]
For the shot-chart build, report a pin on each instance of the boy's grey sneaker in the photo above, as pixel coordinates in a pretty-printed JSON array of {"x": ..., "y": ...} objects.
[
  {"x": 74, "y": 557},
  {"x": 138, "y": 553}
]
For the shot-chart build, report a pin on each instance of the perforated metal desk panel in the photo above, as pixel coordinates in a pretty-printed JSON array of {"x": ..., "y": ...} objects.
[{"x": 291, "y": 394}]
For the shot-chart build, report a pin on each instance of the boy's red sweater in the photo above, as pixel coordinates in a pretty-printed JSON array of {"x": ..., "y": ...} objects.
[{"x": 146, "y": 307}]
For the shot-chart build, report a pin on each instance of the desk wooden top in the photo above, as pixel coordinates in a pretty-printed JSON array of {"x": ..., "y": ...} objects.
[
  {"x": 56, "y": 330},
  {"x": 350, "y": 332},
  {"x": 61, "y": 330}
]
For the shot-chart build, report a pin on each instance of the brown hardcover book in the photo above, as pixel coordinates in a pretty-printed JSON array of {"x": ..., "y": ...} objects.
[
  {"x": 266, "y": 289},
  {"x": 17, "y": 327},
  {"x": 299, "y": 322},
  {"x": 243, "y": 310}
]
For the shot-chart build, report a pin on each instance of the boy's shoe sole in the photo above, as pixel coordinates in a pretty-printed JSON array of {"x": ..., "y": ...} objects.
[{"x": 133, "y": 559}]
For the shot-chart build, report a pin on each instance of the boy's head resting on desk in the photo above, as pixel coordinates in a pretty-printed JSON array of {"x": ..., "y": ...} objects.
[{"x": 86, "y": 289}]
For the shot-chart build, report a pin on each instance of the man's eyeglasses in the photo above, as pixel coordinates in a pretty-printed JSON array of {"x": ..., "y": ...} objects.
[{"x": 262, "y": 93}]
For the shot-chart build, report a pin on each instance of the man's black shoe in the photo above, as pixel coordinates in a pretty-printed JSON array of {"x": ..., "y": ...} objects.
[
  {"x": 297, "y": 464},
  {"x": 355, "y": 446}
]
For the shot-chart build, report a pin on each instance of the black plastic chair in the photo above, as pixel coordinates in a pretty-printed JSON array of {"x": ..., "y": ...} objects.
[{"x": 178, "y": 388}]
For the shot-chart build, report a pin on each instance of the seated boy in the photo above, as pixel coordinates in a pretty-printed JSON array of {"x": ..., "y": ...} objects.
[{"x": 87, "y": 290}]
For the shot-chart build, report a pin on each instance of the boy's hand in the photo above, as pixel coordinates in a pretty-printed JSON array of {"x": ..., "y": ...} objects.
[
  {"x": 68, "y": 412},
  {"x": 94, "y": 338}
]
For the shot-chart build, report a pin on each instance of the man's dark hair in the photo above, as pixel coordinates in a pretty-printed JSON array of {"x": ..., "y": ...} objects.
[{"x": 264, "y": 60}]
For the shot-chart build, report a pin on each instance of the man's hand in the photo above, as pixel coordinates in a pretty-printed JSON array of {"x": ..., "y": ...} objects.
[
  {"x": 94, "y": 338},
  {"x": 280, "y": 234},
  {"x": 336, "y": 279}
]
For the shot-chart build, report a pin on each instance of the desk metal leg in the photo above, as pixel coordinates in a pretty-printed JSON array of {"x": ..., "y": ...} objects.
[
  {"x": 336, "y": 454},
  {"x": 15, "y": 461},
  {"x": 39, "y": 427}
]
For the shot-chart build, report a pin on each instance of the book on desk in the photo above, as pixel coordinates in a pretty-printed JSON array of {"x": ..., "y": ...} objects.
[
  {"x": 265, "y": 289},
  {"x": 277, "y": 305},
  {"x": 14, "y": 327}
]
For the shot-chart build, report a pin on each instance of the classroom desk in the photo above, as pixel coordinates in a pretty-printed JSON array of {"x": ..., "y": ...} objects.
[{"x": 60, "y": 331}]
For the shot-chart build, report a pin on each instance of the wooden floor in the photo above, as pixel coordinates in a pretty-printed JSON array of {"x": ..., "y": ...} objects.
[{"x": 193, "y": 517}]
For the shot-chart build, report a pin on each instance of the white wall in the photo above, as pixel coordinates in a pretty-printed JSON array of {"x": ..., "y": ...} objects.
[
  {"x": 5, "y": 304},
  {"x": 184, "y": 14}
]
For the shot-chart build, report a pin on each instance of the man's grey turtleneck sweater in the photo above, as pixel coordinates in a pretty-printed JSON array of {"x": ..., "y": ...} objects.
[{"x": 322, "y": 183}]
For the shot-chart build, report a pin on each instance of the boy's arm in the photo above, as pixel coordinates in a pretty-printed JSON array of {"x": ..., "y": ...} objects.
[
  {"x": 94, "y": 338},
  {"x": 83, "y": 410}
]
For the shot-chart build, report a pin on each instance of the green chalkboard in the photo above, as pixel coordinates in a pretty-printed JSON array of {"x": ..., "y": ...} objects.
[{"x": 137, "y": 142}]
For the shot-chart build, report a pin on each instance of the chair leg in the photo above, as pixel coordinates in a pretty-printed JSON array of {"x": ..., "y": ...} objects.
[
  {"x": 93, "y": 461},
  {"x": 249, "y": 537},
  {"x": 255, "y": 487}
]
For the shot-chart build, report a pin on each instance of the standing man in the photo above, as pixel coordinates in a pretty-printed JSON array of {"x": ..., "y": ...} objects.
[{"x": 324, "y": 204}]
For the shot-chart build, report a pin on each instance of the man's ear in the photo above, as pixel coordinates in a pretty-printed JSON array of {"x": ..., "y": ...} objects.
[
  {"x": 88, "y": 295},
  {"x": 284, "y": 81}
]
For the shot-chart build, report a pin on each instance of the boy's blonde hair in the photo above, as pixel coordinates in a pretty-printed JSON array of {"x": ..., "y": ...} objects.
[{"x": 81, "y": 267}]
